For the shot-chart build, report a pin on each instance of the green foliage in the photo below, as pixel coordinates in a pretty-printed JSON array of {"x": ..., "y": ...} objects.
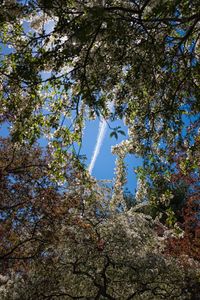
[
  {"x": 171, "y": 218},
  {"x": 141, "y": 56},
  {"x": 133, "y": 59},
  {"x": 129, "y": 199},
  {"x": 117, "y": 131}
]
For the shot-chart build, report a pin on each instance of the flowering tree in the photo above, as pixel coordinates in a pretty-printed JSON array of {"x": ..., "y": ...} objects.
[
  {"x": 69, "y": 59},
  {"x": 187, "y": 173},
  {"x": 113, "y": 258},
  {"x": 61, "y": 63},
  {"x": 31, "y": 205},
  {"x": 68, "y": 242}
]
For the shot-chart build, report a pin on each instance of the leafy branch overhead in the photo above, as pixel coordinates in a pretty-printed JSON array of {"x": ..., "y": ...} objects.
[
  {"x": 116, "y": 131},
  {"x": 63, "y": 234},
  {"x": 65, "y": 62}
]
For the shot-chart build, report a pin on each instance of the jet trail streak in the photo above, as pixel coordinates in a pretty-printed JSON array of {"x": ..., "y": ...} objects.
[{"x": 99, "y": 142}]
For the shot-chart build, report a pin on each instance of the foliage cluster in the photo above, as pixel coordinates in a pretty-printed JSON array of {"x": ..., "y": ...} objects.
[{"x": 64, "y": 235}]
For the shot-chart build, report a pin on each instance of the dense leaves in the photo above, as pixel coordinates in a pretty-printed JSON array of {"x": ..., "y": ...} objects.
[
  {"x": 64, "y": 235},
  {"x": 71, "y": 59},
  {"x": 67, "y": 242},
  {"x": 31, "y": 205}
]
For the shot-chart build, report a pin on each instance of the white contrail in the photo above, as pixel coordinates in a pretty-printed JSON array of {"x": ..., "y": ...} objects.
[{"x": 99, "y": 142}]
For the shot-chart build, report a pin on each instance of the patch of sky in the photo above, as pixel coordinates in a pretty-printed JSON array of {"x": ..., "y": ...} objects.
[
  {"x": 4, "y": 129},
  {"x": 105, "y": 162}
]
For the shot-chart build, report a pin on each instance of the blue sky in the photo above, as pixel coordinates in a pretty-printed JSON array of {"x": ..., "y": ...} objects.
[{"x": 105, "y": 162}]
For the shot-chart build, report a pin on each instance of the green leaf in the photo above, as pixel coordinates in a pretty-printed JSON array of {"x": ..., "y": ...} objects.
[
  {"x": 121, "y": 132},
  {"x": 114, "y": 134}
]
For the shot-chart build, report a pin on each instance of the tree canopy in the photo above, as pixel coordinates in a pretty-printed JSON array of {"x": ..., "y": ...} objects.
[
  {"x": 69, "y": 60},
  {"x": 64, "y": 235}
]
